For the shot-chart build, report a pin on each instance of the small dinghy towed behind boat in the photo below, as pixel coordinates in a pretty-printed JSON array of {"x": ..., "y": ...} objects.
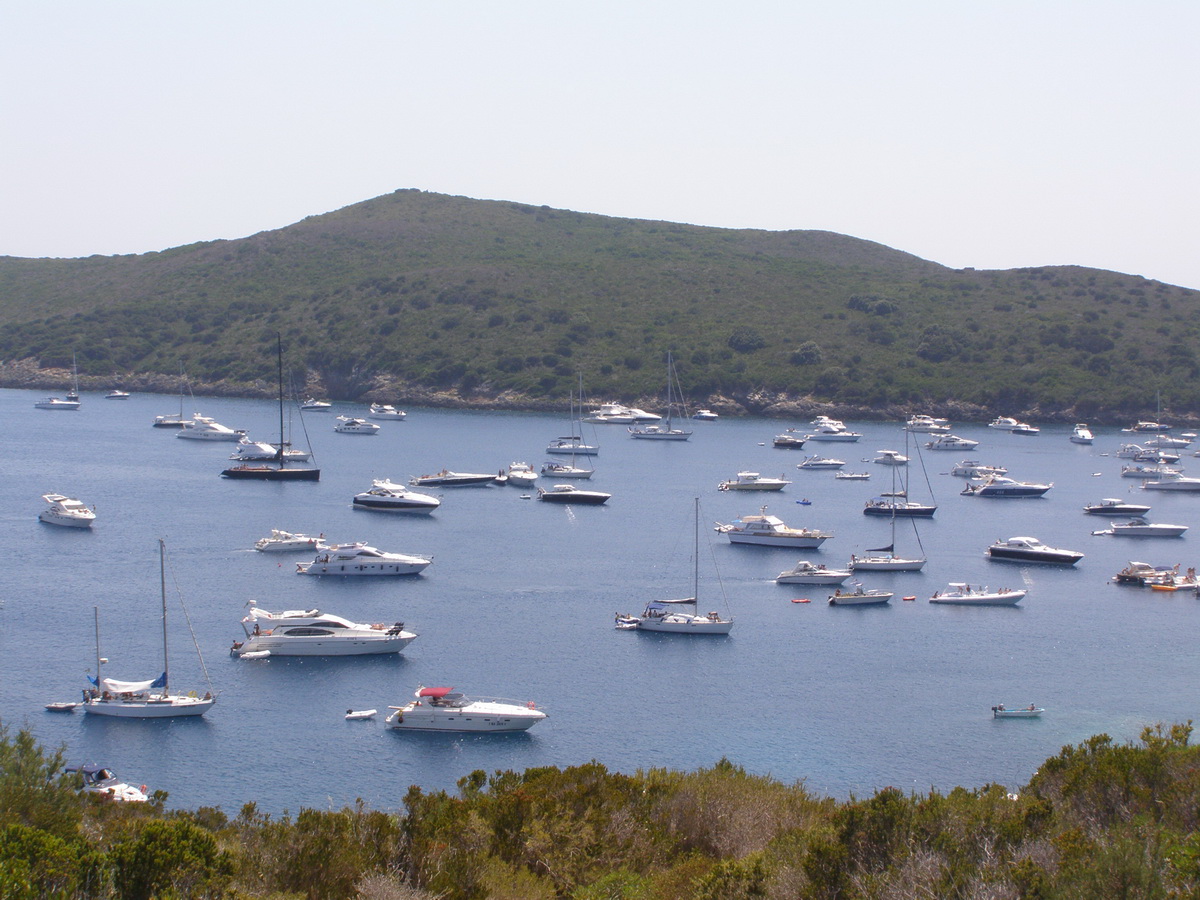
[{"x": 359, "y": 714}]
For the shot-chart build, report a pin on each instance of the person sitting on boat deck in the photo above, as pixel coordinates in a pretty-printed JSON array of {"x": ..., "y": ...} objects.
[
  {"x": 1032, "y": 707},
  {"x": 1000, "y": 706}
]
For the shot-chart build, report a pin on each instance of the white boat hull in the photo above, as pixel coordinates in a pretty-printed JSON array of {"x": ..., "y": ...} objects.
[
  {"x": 886, "y": 564},
  {"x": 867, "y": 598},
  {"x": 52, "y": 518},
  {"x": 685, "y": 624},
  {"x": 481, "y": 716},
  {"x": 1009, "y": 598},
  {"x": 152, "y": 708},
  {"x": 365, "y": 645},
  {"x": 358, "y": 568},
  {"x": 768, "y": 540}
]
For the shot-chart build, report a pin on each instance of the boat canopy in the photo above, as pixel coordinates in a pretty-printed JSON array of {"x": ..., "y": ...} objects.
[
  {"x": 435, "y": 692},
  {"x": 130, "y": 687},
  {"x": 664, "y": 604}
]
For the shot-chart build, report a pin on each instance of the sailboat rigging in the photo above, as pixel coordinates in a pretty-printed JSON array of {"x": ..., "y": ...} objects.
[
  {"x": 276, "y": 469},
  {"x": 150, "y": 699},
  {"x": 574, "y": 446},
  {"x": 73, "y": 394},
  {"x": 173, "y": 421},
  {"x": 666, "y": 616},
  {"x": 884, "y": 559},
  {"x": 665, "y": 430}
]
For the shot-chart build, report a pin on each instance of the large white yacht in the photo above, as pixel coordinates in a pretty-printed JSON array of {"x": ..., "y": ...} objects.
[
  {"x": 619, "y": 414},
  {"x": 56, "y": 403},
  {"x": 387, "y": 496},
  {"x": 309, "y": 632},
  {"x": 951, "y": 442},
  {"x": 1172, "y": 482},
  {"x": 770, "y": 531},
  {"x": 1139, "y": 526},
  {"x": 67, "y": 511},
  {"x": 386, "y": 411},
  {"x": 352, "y": 425},
  {"x": 288, "y": 542},
  {"x": 260, "y": 451},
  {"x": 805, "y": 572},
  {"x": 445, "y": 709},
  {"x": 205, "y": 428},
  {"x": 753, "y": 481},
  {"x": 925, "y": 424},
  {"x": 360, "y": 559}
]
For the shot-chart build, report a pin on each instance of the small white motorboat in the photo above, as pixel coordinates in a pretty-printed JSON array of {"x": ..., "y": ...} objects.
[
  {"x": 445, "y": 478},
  {"x": 387, "y": 496},
  {"x": 1138, "y": 526},
  {"x": 705, "y": 415},
  {"x": 1112, "y": 506},
  {"x": 770, "y": 531},
  {"x": 206, "y": 428},
  {"x": 312, "y": 405},
  {"x": 358, "y": 714},
  {"x": 66, "y": 511},
  {"x": 820, "y": 462},
  {"x": 1000, "y": 711},
  {"x": 521, "y": 474},
  {"x": 890, "y": 458},
  {"x": 1081, "y": 434},
  {"x": 860, "y": 596},
  {"x": 100, "y": 780},
  {"x": 56, "y": 403},
  {"x": 115, "y": 394},
  {"x": 951, "y": 442}
]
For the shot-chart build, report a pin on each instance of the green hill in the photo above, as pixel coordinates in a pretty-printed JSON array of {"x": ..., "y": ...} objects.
[{"x": 420, "y": 297}]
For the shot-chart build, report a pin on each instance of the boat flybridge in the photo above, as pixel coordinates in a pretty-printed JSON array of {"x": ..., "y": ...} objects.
[{"x": 67, "y": 511}]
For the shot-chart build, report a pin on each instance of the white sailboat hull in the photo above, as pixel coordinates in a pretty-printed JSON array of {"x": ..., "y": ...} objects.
[
  {"x": 150, "y": 708},
  {"x": 685, "y": 624}
]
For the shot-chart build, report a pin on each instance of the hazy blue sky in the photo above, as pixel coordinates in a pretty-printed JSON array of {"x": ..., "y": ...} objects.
[{"x": 972, "y": 133}]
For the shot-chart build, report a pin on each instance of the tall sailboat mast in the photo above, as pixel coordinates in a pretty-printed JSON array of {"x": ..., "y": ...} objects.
[{"x": 162, "y": 577}]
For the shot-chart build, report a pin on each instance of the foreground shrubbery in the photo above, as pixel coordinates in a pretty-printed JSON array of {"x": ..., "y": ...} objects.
[{"x": 1098, "y": 820}]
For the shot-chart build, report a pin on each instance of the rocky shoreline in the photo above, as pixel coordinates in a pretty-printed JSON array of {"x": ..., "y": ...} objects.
[{"x": 26, "y": 374}]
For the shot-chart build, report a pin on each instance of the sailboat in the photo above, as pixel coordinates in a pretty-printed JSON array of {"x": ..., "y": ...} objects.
[
  {"x": 174, "y": 421},
  {"x": 669, "y": 616},
  {"x": 665, "y": 430},
  {"x": 572, "y": 444},
  {"x": 71, "y": 402},
  {"x": 73, "y": 393},
  {"x": 276, "y": 469},
  {"x": 143, "y": 699},
  {"x": 884, "y": 559}
]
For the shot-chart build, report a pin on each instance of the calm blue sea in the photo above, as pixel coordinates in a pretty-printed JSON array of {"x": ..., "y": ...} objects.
[{"x": 520, "y": 598}]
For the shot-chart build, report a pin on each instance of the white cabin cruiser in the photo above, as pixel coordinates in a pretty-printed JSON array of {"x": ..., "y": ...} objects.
[
  {"x": 569, "y": 494},
  {"x": 67, "y": 511},
  {"x": 116, "y": 394},
  {"x": 789, "y": 440},
  {"x": 963, "y": 594},
  {"x": 309, "y": 632},
  {"x": 951, "y": 442},
  {"x": 444, "y": 709},
  {"x": 205, "y": 428},
  {"x": 753, "y": 481},
  {"x": 890, "y": 458},
  {"x": 1172, "y": 482},
  {"x": 970, "y": 468},
  {"x": 805, "y": 572},
  {"x": 361, "y": 559},
  {"x": 1004, "y": 423},
  {"x": 386, "y": 411},
  {"x": 1149, "y": 470},
  {"x": 1138, "y": 526},
  {"x": 1003, "y": 486},
  {"x": 521, "y": 474},
  {"x": 1031, "y": 550},
  {"x": 104, "y": 782},
  {"x": 288, "y": 542},
  {"x": 1112, "y": 506},
  {"x": 353, "y": 425},
  {"x": 770, "y": 531},
  {"x": 619, "y": 414},
  {"x": 1081, "y": 434},
  {"x": 922, "y": 424},
  {"x": 820, "y": 462},
  {"x": 705, "y": 415},
  {"x": 314, "y": 405},
  {"x": 387, "y": 496},
  {"x": 56, "y": 403}
]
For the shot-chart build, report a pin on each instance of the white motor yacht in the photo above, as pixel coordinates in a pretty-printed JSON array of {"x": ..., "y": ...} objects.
[
  {"x": 705, "y": 415},
  {"x": 1147, "y": 427},
  {"x": 288, "y": 542},
  {"x": 569, "y": 494},
  {"x": 67, "y": 511},
  {"x": 445, "y": 709},
  {"x": 386, "y": 412},
  {"x": 890, "y": 458},
  {"x": 1081, "y": 434},
  {"x": 260, "y": 451},
  {"x": 951, "y": 442},
  {"x": 844, "y": 436},
  {"x": 102, "y": 781},
  {"x": 1138, "y": 526},
  {"x": 313, "y": 405},
  {"x": 56, "y": 403},
  {"x": 1149, "y": 470},
  {"x": 521, "y": 474},
  {"x": 353, "y": 425},
  {"x": 805, "y": 572},
  {"x": 1004, "y": 423},
  {"x": 446, "y": 478},
  {"x": 1031, "y": 550},
  {"x": 116, "y": 394},
  {"x": 1003, "y": 486},
  {"x": 361, "y": 559},
  {"x": 300, "y": 632},
  {"x": 619, "y": 414},
  {"x": 1172, "y": 482},
  {"x": 789, "y": 440},
  {"x": 770, "y": 531},
  {"x": 970, "y": 468},
  {"x": 205, "y": 428},
  {"x": 387, "y": 496},
  {"x": 1112, "y": 506},
  {"x": 963, "y": 594},
  {"x": 753, "y": 481},
  {"x": 820, "y": 462},
  {"x": 1024, "y": 428},
  {"x": 924, "y": 424}
]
